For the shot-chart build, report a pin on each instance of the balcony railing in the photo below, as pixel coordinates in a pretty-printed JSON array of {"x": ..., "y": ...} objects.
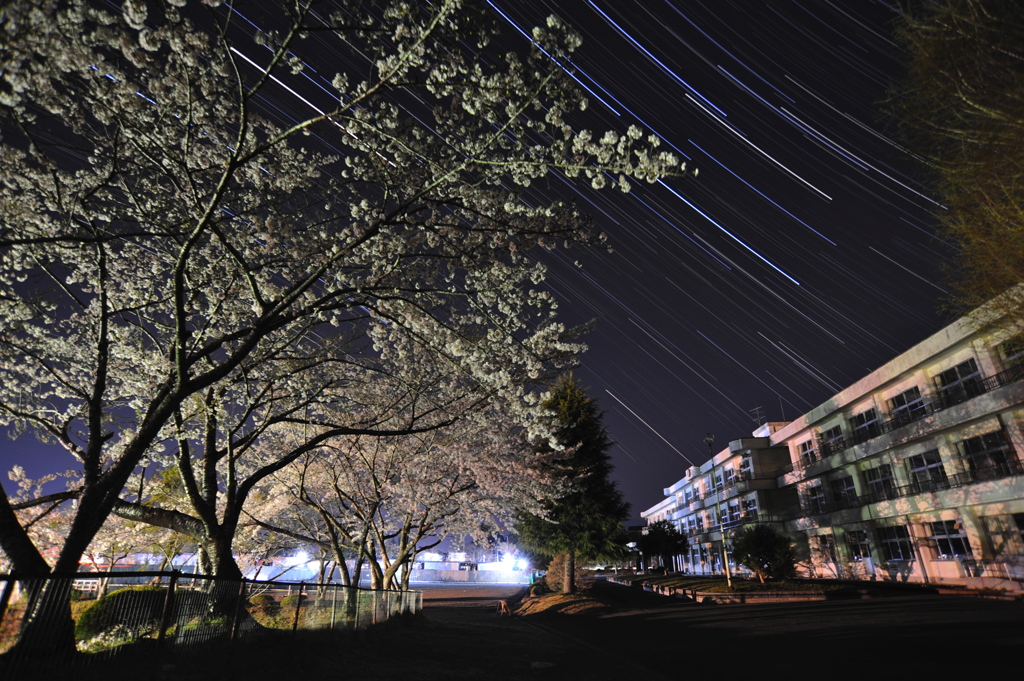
[
  {"x": 949, "y": 398},
  {"x": 813, "y": 506}
]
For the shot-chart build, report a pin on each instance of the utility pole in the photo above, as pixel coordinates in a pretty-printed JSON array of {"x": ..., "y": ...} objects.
[{"x": 709, "y": 440}]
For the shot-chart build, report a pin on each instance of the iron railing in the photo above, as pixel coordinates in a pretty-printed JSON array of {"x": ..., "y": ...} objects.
[
  {"x": 946, "y": 399},
  {"x": 813, "y": 506},
  {"x": 170, "y": 613}
]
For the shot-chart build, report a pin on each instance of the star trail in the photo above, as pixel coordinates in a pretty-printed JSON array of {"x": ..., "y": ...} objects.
[{"x": 800, "y": 256}]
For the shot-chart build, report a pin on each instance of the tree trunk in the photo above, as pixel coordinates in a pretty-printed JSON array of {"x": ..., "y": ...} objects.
[
  {"x": 569, "y": 577},
  {"x": 47, "y": 630}
]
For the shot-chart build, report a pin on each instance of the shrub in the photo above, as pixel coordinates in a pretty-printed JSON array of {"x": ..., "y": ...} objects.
[
  {"x": 263, "y": 600},
  {"x": 129, "y": 614},
  {"x": 556, "y": 574},
  {"x": 132, "y": 612},
  {"x": 538, "y": 589},
  {"x": 293, "y": 601}
]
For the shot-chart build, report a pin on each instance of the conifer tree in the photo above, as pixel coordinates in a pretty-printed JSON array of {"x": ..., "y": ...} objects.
[{"x": 585, "y": 521}]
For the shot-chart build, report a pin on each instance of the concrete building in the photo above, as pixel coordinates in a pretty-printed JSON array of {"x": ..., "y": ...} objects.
[{"x": 913, "y": 473}]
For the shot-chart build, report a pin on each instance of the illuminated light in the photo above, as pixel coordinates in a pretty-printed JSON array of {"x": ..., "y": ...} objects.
[{"x": 300, "y": 558}]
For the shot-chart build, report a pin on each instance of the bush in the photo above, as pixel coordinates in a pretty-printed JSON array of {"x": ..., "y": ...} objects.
[
  {"x": 538, "y": 589},
  {"x": 263, "y": 600},
  {"x": 293, "y": 601},
  {"x": 556, "y": 574},
  {"x": 132, "y": 612},
  {"x": 129, "y": 614}
]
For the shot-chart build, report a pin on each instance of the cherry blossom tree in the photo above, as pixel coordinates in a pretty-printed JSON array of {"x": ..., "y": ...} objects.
[
  {"x": 382, "y": 501},
  {"x": 169, "y": 231}
]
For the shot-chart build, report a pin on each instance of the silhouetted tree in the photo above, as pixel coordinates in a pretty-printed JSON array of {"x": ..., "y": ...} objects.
[
  {"x": 585, "y": 521},
  {"x": 663, "y": 540},
  {"x": 764, "y": 550}
]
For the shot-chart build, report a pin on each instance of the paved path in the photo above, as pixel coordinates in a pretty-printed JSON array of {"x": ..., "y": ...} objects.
[
  {"x": 905, "y": 637},
  {"x": 653, "y": 637},
  {"x": 463, "y": 616}
]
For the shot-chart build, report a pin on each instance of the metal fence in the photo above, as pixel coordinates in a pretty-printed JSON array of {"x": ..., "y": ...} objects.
[{"x": 170, "y": 613}]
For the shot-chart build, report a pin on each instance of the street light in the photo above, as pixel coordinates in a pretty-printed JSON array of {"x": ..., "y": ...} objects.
[{"x": 709, "y": 440}]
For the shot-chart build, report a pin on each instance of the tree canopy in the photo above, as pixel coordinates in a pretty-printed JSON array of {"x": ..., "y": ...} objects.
[
  {"x": 185, "y": 264},
  {"x": 764, "y": 550},
  {"x": 661, "y": 539},
  {"x": 201, "y": 245},
  {"x": 961, "y": 108},
  {"x": 584, "y": 520}
]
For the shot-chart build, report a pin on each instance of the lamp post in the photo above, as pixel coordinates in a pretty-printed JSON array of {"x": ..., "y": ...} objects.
[{"x": 709, "y": 440}]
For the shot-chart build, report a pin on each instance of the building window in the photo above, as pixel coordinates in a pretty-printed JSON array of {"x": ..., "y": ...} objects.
[
  {"x": 825, "y": 545},
  {"x": 926, "y": 472},
  {"x": 881, "y": 484},
  {"x": 960, "y": 383},
  {"x": 832, "y": 441},
  {"x": 750, "y": 509},
  {"x": 746, "y": 469},
  {"x": 895, "y": 543},
  {"x": 1011, "y": 352},
  {"x": 844, "y": 492},
  {"x": 1006, "y": 532},
  {"x": 734, "y": 512},
  {"x": 865, "y": 425},
  {"x": 860, "y": 547},
  {"x": 814, "y": 495},
  {"x": 808, "y": 454},
  {"x": 989, "y": 456},
  {"x": 950, "y": 542},
  {"x": 907, "y": 407}
]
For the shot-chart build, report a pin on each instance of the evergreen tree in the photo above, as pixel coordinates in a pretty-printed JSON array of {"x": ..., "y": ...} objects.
[
  {"x": 663, "y": 540},
  {"x": 585, "y": 522}
]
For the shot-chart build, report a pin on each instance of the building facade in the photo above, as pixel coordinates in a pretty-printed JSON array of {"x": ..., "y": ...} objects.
[{"x": 913, "y": 473}]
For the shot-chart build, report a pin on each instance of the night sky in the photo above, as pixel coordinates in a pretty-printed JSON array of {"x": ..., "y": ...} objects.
[{"x": 801, "y": 257}]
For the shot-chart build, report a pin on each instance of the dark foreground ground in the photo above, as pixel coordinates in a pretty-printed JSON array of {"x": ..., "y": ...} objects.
[
  {"x": 628, "y": 634},
  {"x": 899, "y": 637}
]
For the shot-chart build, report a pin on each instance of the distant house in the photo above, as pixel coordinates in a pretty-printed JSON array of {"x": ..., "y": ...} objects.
[{"x": 913, "y": 473}]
